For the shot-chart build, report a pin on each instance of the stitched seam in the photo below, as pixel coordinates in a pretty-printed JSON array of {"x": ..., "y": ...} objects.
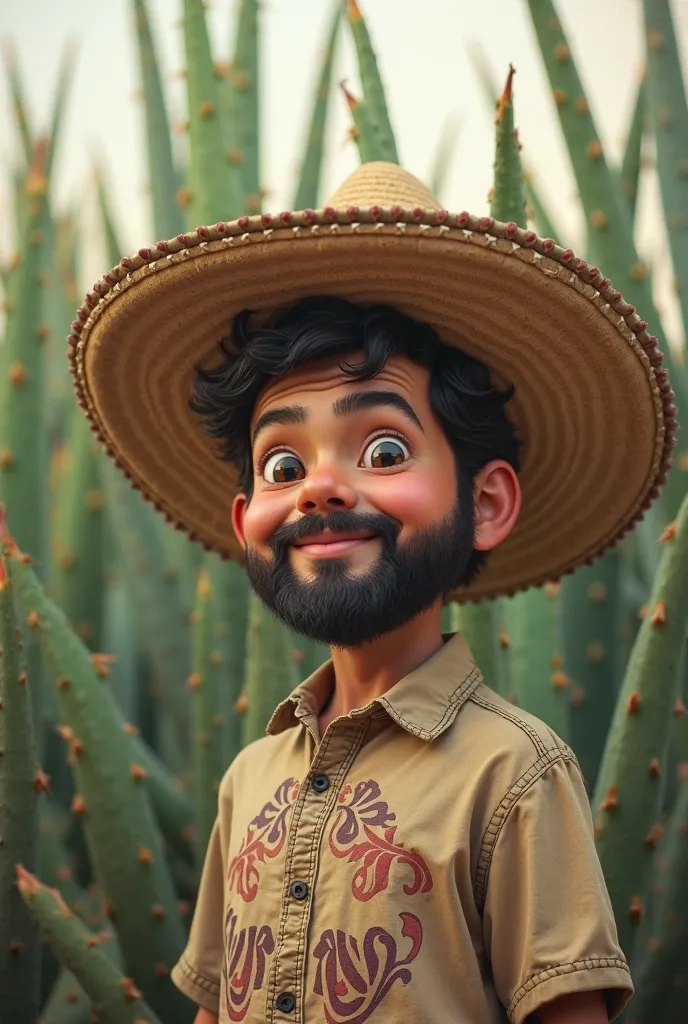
[
  {"x": 324, "y": 814},
  {"x": 509, "y": 717},
  {"x": 458, "y": 697},
  {"x": 590, "y": 963},
  {"x": 502, "y": 811},
  {"x": 200, "y": 980}
]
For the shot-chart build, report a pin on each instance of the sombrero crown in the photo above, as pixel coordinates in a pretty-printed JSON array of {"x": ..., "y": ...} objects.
[{"x": 592, "y": 405}]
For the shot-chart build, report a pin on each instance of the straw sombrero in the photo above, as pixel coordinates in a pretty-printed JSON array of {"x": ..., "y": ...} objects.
[{"x": 592, "y": 405}]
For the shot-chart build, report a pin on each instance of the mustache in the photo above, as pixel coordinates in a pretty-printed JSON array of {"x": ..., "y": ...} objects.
[{"x": 309, "y": 526}]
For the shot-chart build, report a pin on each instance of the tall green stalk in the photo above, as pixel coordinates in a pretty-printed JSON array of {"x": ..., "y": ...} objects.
[
  {"x": 168, "y": 219},
  {"x": 215, "y": 182},
  {"x": 308, "y": 191},
  {"x": 627, "y": 798},
  {"x": 611, "y": 242},
  {"x": 668, "y": 110},
  {"x": 371, "y": 80},
  {"x": 20, "y": 783}
]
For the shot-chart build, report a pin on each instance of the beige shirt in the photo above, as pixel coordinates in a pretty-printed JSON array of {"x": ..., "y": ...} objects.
[{"x": 431, "y": 861}]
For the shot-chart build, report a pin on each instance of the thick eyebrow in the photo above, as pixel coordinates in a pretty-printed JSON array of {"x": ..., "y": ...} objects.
[{"x": 345, "y": 406}]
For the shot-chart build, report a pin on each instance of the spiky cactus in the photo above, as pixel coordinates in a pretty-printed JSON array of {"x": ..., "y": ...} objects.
[
  {"x": 243, "y": 108},
  {"x": 308, "y": 191},
  {"x": 78, "y": 535},
  {"x": 168, "y": 219},
  {"x": 215, "y": 181},
  {"x": 20, "y": 783},
  {"x": 124, "y": 841},
  {"x": 629, "y": 172},
  {"x": 591, "y": 624},
  {"x": 627, "y": 797},
  {"x": 115, "y": 997},
  {"x": 23, "y": 435},
  {"x": 204, "y": 683},
  {"x": 270, "y": 672},
  {"x": 373, "y": 89},
  {"x": 668, "y": 111},
  {"x": 611, "y": 242}
]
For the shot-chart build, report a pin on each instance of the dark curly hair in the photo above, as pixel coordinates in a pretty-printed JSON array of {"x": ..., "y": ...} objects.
[{"x": 462, "y": 395}]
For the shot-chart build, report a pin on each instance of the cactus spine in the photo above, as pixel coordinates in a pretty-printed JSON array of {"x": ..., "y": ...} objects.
[
  {"x": 370, "y": 145},
  {"x": 627, "y": 797},
  {"x": 20, "y": 784}
]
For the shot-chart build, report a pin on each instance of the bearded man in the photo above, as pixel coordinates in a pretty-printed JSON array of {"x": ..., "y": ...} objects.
[{"x": 408, "y": 406}]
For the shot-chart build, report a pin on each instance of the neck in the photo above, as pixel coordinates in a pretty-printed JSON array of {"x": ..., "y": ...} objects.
[{"x": 364, "y": 673}]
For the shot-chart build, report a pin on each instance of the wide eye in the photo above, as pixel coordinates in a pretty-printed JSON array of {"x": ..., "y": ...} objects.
[
  {"x": 283, "y": 468},
  {"x": 384, "y": 452}
]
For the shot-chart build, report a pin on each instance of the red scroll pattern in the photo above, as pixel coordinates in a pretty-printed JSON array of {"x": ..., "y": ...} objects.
[
  {"x": 352, "y": 837},
  {"x": 265, "y": 837}
]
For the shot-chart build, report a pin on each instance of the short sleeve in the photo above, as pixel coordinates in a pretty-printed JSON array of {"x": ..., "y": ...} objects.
[
  {"x": 548, "y": 923},
  {"x": 197, "y": 972}
]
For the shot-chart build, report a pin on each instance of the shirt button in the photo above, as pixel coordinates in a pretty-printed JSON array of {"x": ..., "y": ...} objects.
[
  {"x": 299, "y": 890},
  {"x": 320, "y": 783},
  {"x": 285, "y": 1002}
]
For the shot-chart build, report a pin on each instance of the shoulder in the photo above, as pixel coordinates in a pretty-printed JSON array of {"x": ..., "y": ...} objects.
[
  {"x": 511, "y": 735},
  {"x": 503, "y": 753},
  {"x": 250, "y": 763}
]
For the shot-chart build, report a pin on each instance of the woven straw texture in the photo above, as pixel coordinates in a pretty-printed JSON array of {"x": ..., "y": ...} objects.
[{"x": 592, "y": 406}]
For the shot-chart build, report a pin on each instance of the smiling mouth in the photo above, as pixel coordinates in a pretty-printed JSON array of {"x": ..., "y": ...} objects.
[{"x": 332, "y": 548}]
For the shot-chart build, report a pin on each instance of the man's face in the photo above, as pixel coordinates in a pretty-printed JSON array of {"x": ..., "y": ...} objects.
[{"x": 333, "y": 454}]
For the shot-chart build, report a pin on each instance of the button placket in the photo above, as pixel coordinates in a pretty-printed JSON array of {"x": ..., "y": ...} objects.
[{"x": 311, "y": 812}]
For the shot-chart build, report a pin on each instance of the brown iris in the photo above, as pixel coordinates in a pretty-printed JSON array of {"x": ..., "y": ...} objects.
[
  {"x": 287, "y": 468},
  {"x": 386, "y": 453}
]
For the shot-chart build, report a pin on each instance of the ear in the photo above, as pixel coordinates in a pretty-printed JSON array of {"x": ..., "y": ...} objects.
[
  {"x": 239, "y": 506},
  {"x": 497, "y": 497}
]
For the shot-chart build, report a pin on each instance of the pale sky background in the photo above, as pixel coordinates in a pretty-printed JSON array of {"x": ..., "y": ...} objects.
[{"x": 421, "y": 48}]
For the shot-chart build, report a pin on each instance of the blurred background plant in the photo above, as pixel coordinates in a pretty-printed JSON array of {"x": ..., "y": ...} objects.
[{"x": 145, "y": 664}]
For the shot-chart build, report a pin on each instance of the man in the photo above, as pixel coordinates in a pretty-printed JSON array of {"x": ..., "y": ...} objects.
[{"x": 426, "y": 405}]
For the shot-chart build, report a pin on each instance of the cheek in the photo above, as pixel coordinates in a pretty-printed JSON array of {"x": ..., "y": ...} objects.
[
  {"x": 263, "y": 515},
  {"x": 416, "y": 499}
]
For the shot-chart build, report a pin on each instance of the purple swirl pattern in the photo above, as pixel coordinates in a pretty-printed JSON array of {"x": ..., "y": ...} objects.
[
  {"x": 246, "y": 952},
  {"x": 352, "y": 986}
]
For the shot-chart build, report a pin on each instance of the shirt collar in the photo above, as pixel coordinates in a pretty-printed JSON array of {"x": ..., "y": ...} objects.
[{"x": 424, "y": 702}]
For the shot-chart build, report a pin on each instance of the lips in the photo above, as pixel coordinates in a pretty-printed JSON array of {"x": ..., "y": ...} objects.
[{"x": 328, "y": 537}]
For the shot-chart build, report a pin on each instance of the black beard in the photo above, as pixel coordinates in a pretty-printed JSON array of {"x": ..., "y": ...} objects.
[{"x": 341, "y": 610}]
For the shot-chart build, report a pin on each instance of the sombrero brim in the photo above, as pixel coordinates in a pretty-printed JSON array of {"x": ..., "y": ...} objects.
[{"x": 592, "y": 406}]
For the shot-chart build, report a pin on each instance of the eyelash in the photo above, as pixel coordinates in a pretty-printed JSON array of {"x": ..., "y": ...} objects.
[{"x": 260, "y": 465}]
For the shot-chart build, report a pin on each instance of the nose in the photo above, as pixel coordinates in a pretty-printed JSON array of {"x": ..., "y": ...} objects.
[{"x": 325, "y": 490}]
